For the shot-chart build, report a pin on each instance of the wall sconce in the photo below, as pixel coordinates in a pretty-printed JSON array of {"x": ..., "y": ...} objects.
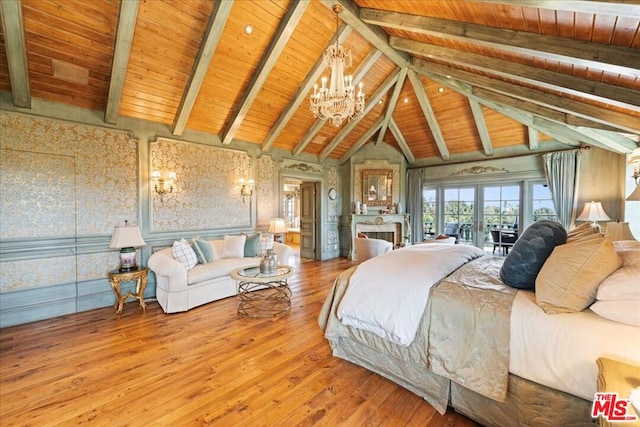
[
  {"x": 634, "y": 159},
  {"x": 246, "y": 190},
  {"x": 159, "y": 183}
]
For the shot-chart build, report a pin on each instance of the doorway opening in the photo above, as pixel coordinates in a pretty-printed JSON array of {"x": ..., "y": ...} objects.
[{"x": 300, "y": 209}]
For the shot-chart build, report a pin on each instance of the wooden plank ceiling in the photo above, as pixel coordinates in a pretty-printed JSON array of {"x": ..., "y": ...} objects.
[{"x": 444, "y": 80}]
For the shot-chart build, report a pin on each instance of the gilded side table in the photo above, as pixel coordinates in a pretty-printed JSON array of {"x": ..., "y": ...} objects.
[{"x": 117, "y": 276}]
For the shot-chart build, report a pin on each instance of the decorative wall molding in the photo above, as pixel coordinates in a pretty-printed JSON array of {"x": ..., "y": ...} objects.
[
  {"x": 479, "y": 170},
  {"x": 298, "y": 166}
]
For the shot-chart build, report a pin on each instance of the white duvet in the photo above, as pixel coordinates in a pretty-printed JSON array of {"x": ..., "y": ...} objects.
[{"x": 387, "y": 294}]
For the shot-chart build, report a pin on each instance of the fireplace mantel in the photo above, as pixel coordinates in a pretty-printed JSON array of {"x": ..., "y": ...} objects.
[{"x": 378, "y": 223}]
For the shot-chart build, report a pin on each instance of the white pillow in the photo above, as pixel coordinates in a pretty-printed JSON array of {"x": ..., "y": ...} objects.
[
  {"x": 621, "y": 285},
  {"x": 233, "y": 246},
  {"x": 619, "y": 311},
  {"x": 264, "y": 244},
  {"x": 183, "y": 253}
]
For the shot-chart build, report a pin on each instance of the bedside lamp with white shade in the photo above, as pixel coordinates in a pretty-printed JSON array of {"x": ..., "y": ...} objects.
[
  {"x": 127, "y": 238},
  {"x": 593, "y": 212}
]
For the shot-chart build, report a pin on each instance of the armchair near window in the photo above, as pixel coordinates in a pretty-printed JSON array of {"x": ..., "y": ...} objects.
[{"x": 368, "y": 248}]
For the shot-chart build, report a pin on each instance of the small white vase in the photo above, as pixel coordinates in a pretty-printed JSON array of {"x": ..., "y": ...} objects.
[{"x": 398, "y": 208}]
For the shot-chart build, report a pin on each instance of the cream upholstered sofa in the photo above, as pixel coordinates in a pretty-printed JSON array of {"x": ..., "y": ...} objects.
[
  {"x": 368, "y": 248},
  {"x": 181, "y": 289}
]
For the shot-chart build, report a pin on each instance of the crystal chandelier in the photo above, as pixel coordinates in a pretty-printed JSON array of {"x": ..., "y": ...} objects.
[{"x": 339, "y": 101}]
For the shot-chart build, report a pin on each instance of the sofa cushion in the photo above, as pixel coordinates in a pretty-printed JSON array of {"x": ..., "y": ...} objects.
[
  {"x": 251, "y": 244},
  {"x": 569, "y": 279},
  {"x": 233, "y": 246},
  {"x": 529, "y": 253},
  {"x": 219, "y": 268},
  {"x": 184, "y": 254},
  {"x": 203, "y": 250}
]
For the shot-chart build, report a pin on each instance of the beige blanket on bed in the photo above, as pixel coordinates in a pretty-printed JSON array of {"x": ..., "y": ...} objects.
[
  {"x": 463, "y": 336},
  {"x": 469, "y": 314}
]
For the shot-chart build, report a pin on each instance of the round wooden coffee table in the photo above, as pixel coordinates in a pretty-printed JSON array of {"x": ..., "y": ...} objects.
[{"x": 260, "y": 294}]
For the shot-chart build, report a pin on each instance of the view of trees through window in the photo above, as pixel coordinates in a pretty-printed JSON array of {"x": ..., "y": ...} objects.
[
  {"x": 542, "y": 204},
  {"x": 500, "y": 209}
]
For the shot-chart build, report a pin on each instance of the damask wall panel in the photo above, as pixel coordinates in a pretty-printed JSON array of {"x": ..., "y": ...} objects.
[
  {"x": 266, "y": 191},
  {"x": 37, "y": 195},
  {"x": 34, "y": 273},
  {"x": 96, "y": 265},
  {"x": 105, "y": 169},
  {"x": 206, "y": 193}
]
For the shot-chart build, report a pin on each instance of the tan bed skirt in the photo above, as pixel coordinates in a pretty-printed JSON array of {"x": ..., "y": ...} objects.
[{"x": 527, "y": 403}]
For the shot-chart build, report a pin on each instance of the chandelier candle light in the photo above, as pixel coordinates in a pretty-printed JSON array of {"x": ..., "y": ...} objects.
[{"x": 339, "y": 101}]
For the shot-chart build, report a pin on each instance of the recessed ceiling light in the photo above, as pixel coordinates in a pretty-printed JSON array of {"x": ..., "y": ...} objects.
[
  {"x": 441, "y": 89},
  {"x": 380, "y": 102},
  {"x": 406, "y": 100},
  {"x": 248, "y": 29}
]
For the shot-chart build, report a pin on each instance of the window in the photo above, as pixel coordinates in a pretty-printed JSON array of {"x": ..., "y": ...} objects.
[
  {"x": 542, "y": 204},
  {"x": 429, "y": 216}
]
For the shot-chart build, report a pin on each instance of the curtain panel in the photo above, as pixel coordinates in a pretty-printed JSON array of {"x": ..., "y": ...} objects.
[
  {"x": 414, "y": 203},
  {"x": 561, "y": 170}
]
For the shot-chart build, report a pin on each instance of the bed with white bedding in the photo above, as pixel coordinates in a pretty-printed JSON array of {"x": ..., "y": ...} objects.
[{"x": 482, "y": 347}]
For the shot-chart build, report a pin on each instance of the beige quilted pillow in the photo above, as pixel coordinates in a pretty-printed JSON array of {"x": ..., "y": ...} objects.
[
  {"x": 570, "y": 277},
  {"x": 586, "y": 227}
]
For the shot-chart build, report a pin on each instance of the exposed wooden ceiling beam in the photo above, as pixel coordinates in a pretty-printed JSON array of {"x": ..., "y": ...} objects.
[
  {"x": 310, "y": 134},
  {"x": 281, "y": 37},
  {"x": 612, "y": 94},
  {"x": 617, "y": 59},
  {"x": 565, "y": 136},
  {"x": 609, "y": 117},
  {"x": 373, "y": 100},
  {"x": 362, "y": 140},
  {"x": 364, "y": 66},
  {"x": 402, "y": 142},
  {"x": 429, "y": 115},
  {"x": 303, "y": 90},
  {"x": 481, "y": 125},
  {"x": 539, "y": 110},
  {"x": 122, "y": 50},
  {"x": 534, "y": 138},
  {"x": 16, "y": 50},
  {"x": 393, "y": 101},
  {"x": 207, "y": 49},
  {"x": 562, "y": 132},
  {"x": 614, "y": 8},
  {"x": 376, "y": 36}
]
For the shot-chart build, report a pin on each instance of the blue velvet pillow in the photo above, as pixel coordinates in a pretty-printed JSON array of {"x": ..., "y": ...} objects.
[
  {"x": 251, "y": 244},
  {"x": 203, "y": 250},
  {"x": 531, "y": 250}
]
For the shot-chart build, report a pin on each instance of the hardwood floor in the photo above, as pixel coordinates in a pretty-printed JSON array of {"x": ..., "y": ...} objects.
[{"x": 207, "y": 366}]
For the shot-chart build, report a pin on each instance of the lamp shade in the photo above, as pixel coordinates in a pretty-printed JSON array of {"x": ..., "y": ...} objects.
[
  {"x": 593, "y": 212},
  {"x": 619, "y": 231},
  {"x": 277, "y": 226},
  {"x": 635, "y": 195},
  {"x": 126, "y": 236}
]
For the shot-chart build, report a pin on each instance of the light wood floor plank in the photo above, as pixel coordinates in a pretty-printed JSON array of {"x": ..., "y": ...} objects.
[{"x": 207, "y": 366}]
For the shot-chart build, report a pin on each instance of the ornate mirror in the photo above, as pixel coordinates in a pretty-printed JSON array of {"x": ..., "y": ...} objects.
[{"x": 377, "y": 185}]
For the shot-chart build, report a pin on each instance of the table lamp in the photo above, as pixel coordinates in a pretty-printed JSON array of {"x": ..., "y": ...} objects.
[
  {"x": 278, "y": 228},
  {"x": 127, "y": 238},
  {"x": 593, "y": 212}
]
